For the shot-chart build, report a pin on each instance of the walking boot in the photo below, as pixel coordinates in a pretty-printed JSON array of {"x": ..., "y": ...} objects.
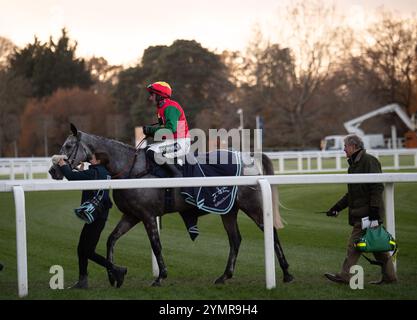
[
  {"x": 383, "y": 281},
  {"x": 335, "y": 278},
  {"x": 82, "y": 283},
  {"x": 118, "y": 274},
  {"x": 389, "y": 274}
]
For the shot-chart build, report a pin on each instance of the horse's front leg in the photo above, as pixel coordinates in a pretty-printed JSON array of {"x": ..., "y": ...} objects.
[
  {"x": 126, "y": 223},
  {"x": 153, "y": 235}
]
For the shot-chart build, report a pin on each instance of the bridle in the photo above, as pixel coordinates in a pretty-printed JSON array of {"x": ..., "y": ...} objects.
[{"x": 73, "y": 155}]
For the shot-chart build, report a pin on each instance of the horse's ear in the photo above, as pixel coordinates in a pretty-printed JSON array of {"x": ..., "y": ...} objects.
[{"x": 73, "y": 129}]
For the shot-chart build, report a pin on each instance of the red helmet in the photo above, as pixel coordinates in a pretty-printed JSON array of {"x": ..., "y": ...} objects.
[{"x": 160, "y": 88}]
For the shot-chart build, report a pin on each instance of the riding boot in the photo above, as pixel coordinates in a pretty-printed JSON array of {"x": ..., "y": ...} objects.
[
  {"x": 118, "y": 273},
  {"x": 172, "y": 168},
  {"x": 82, "y": 283}
]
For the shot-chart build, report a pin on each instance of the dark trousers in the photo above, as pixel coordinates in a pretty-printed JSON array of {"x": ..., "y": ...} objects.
[{"x": 90, "y": 235}]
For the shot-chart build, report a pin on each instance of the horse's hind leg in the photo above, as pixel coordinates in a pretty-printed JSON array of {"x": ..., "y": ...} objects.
[
  {"x": 232, "y": 229},
  {"x": 254, "y": 210},
  {"x": 278, "y": 251},
  {"x": 281, "y": 258},
  {"x": 153, "y": 235},
  {"x": 125, "y": 224}
]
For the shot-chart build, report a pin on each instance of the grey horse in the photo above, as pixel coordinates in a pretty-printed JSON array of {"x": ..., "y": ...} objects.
[{"x": 146, "y": 204}]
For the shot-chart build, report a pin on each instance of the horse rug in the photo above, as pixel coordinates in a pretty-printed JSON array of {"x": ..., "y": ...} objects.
[{"x": 219, "y": 199}]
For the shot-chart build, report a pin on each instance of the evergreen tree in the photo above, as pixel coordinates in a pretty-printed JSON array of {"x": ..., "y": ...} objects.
[
  {"x": 198, "y": 77},
  {"x": 49, "y": 66}
]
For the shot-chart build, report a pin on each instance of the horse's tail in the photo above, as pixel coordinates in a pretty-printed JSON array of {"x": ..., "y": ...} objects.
[{"x": 268, "y": 169}]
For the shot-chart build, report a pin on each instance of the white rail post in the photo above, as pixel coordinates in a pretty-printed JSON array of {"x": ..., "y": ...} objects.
[
  {"x": 31, "y": 169},
  {"x": 268, "y": 233},
  {"x": 319, "y": 164},
  {"x": 12, "y": 174},
  {"x": 415, "y": 159},
  {"x": 299, "y": 163},
  {"x": 281, "y": 164},
  {"x": 390, "y": 210},
  {"x": 396, "y": 161},
  {"x": 48, "y": 176},
  {"x": 22, "y": 268},
  {"x": 338, "y": 162},
  {"x": 25, "y": 169},
  {"x": 155, "y": 268}
]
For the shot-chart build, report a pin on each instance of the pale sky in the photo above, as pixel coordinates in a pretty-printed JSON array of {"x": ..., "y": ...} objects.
[{"x": 120, "y": 30}]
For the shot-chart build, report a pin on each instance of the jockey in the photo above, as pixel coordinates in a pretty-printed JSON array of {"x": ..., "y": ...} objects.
[{"x": 172, "y": 127}]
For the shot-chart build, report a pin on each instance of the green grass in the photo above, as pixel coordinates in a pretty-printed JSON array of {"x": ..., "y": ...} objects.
[{"x": 313, "y": 244}]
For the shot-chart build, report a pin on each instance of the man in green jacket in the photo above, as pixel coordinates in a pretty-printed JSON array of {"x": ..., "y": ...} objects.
[{"x": 363, "y": 200}]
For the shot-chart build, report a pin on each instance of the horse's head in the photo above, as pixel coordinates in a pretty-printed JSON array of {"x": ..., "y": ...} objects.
[{"x": 76, "y": 151}]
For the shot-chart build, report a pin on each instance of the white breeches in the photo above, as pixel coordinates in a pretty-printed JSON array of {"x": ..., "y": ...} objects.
[{"x": 172, "y": 148}]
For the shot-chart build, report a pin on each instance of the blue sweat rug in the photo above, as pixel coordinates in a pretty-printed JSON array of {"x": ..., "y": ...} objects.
[{"x": 219, "y": 199}]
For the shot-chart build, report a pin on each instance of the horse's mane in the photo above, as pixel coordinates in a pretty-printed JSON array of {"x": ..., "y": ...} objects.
[{"x": 112, "y": 141}]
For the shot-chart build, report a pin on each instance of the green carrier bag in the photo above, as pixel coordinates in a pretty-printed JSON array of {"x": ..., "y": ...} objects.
[{"x": 376, "y": 239}]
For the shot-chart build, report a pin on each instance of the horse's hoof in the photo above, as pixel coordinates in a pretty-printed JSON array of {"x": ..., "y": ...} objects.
[
  {"x": 112, "y": 280},
  {"x": 220, "y": 281},
  {"x": 156, "y": 283},
  {"x": 119, "y": 275},
  {"x": 288, "y": 278}
]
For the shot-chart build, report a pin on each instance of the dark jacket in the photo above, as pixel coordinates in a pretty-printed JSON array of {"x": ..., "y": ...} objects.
[
  {"x": 361, "y": 196},
  {"x": 94, "y": 172}
]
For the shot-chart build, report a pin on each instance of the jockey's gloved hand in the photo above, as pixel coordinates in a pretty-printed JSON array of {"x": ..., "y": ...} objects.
[
  {"x": 333, "y": 211},
  {"x": 374, "y": 213},
  {"x": 147, "y": 131}
]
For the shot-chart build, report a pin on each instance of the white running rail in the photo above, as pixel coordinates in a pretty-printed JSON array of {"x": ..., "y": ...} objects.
[
  {"x": 19, "y": 187},
  {"x": 335, "y": 161},
  {"x": 287, "y": 162},
  {"x": 24, "y": 167}
]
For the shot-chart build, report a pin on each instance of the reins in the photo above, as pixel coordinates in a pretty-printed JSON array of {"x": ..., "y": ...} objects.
[{"x": 131, "y": 165}]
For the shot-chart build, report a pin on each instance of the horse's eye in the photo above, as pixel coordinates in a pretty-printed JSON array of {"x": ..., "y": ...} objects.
[{"x": 67, "y": 147}]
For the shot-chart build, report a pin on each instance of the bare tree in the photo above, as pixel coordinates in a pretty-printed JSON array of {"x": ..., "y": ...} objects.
[
  {"x": 390, "y": 58},
  {"x": 383, "y": 70},
  {"x": 105, "y": 76},
  {"x": 412, "y": 108},
  {"x": 6, "y": 49},
  {"x": 285, "y": 76},
  {"x": 317, "y": 44}
]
